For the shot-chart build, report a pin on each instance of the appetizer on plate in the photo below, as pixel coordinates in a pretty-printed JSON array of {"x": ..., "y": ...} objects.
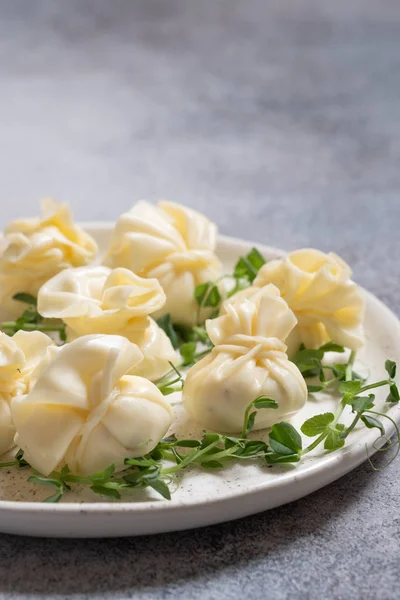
[
  {"x": 33, "y": 250},
  {"x": 90, "y": 353},
  {"x": 86, "y": 412},
  {"x": 248, "y": 360},
  {"x": 171, "y": 243},
  {"x": 96, "y": 299}
]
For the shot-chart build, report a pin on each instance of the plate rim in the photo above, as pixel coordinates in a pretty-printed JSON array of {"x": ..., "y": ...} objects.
[{"x": 353, "y": 455}]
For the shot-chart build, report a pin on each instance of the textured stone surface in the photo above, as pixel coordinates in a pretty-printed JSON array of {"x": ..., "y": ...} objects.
[{"x": 281, "y": 120}]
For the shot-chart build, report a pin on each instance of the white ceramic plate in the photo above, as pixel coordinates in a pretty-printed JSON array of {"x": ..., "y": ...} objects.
[{"x": 204, "y": 498}]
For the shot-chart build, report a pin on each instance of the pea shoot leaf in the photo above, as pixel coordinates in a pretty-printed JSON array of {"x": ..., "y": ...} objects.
[
  {"x": 159, "y": 486},
  {"x": 248, "y": 266},
  {"x": 371, "y": 422},
  {"x": 207, "y": 294},
  {"x": 333, "y": 441},
  {"x": 349, "y": 387},
  {"x": 250, "y": 424},
  {"x": 360, "y": 403},
  {"x": 166, "y": 325},
  {"x": 105, "y": 491},
  {"x": 331, "y": 347},
  {"x": 394, "y": 395},
  {"x": 25, "y": 298},
  {"x": 188, "y": 352},
  {"x": 31, "y": 320},
  {"x": 391, "y": 367},
  {"x": 317, "y": 425},
  {"x": 212, "y": 464},
  {"x": 313, "y": 389},
  {"x": 273, "y": 459},
  {"x": 284, "y": 439},
  {"x": 264, "y": 402}
]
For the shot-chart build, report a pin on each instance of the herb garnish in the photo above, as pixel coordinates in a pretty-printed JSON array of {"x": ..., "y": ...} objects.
[
  {"x": 193, "y": 343},
  {"x": 214, "y": 450},
  {"x": 31, "y": 320},
  {"x": 170, "y": 382},
  {"x": 208, "y": 294}
]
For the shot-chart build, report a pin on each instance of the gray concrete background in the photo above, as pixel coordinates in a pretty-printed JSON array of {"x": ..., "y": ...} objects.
[{"x": 281, "y": 121}]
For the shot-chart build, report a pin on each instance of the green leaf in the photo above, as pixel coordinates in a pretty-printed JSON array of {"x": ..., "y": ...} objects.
[
  {"x": 390, "y": 367},
  {"x": 250, "y": 423},
  {"x": 372, "y": 422},
  {"x": 166, "y": 325},
  {"x": 26, "y": 298},
  {"x": 149, "y": 476},
  {"x": 333, "y": 440},
  {"x": 157, "y": 454},
  {"x": 339, "y": 370},
  {"x": 264, "y": 402},
  {"x": 313, "y": 389},
  {"x": 331, "y": 347},
  {"x": 273, "y": 459},
  {"x": 45, "y": 481},
  {"x": 284, "y": 439},
  {"x": 213, "y": 297},
  {"x": 134, "y": 478},
  {"x": 167, "y": 390},
  {"x": 200, "y": 334},
  {"x": 159, "y": 486},
  {"x": 360, "y": 403},
  {"x": 103, "y": 475},
  {"x": 10, "y": 463},
  {"x": 244, "y": 270},
  {"x": 247, "y": 267},
  {"x": 54, "y": 498},
  {"x": 65, "y": 471},
  {"x": 394, "y": 395},
  {"x": 139, "y": 462},
  {"x": 212, "y": 464},
  {"x": 317, "y": 424},
  {"x": 201, "y": 291},
  {"x": 188, "y": 351},
  {"x": 349, "y": 387},
  {"x": 187, "y": 443},
  {"x": 207, "y": 294},
  {"x": 210, "y": 438},
  {"x": 306, "y": 355},
  {"x": 229, "y": 442},
  {"x": 256, "y": 259},
  {"x": 105, "y": 491},
  {"x": 254, "y": 447}
]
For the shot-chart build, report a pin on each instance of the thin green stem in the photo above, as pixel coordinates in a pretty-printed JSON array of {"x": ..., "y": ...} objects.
[
  {"x": 371, "y": 386},
  {"x": 11, "y": 463},
  {"x": 31, "y": 326},
  {"x": 348, "y": 377},
  {"x": 190, "y": 458},
  {"x": 350, "y": 428},
  {"x": 349, "y": 368},
  {"x": 315, "y": 443},
  {"x": 206, "y": 296},
  {"x": 373, "y": 412},
  {"x": 220, "y": 455}
]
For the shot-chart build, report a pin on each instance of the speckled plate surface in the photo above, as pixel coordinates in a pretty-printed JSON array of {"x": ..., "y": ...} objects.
[{"x": 204, "y": 498}]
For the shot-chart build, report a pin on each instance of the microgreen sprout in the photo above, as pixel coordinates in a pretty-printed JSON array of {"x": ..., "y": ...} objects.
[
  {"x": 32, "y": 320},
  {"x": 215, "y": 450}
]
